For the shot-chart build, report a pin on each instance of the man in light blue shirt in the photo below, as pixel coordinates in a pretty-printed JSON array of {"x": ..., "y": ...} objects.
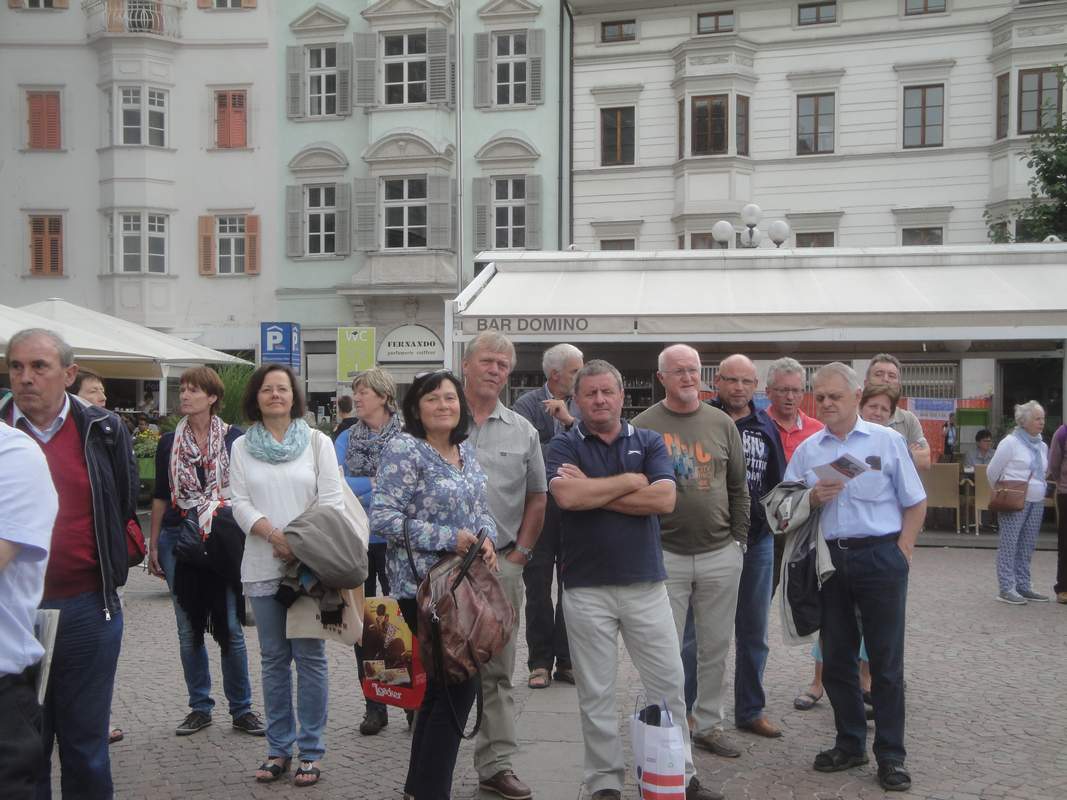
[
  {"x": 29, "y": 505},
  {"x": 871, "y": 522}
]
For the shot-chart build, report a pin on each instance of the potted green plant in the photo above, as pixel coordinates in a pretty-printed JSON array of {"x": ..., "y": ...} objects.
[{"x": 145, "y": 444}]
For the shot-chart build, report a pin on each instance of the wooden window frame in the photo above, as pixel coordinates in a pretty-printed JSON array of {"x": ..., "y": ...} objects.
[
  {"x": 323, "y": 73},
  {"x": 224, "y": 134},
  {"x": 1002, "y": 105},
  {"x": 620, "y": 26},
  {"x": 816, "y": 132},
  {"x": 741, "y": 123},
  {"x": 231, "y": 229},
  {"x": 819, "y": 6},
  {"x": 711, "y": 100},
  {"x": 923, "y": 110},
  {"x": 512, "y": 61},
  {"x": 1040, "y": 72},
  {"x": 146, "y": 230},
  {"x": 717, "y": 17},
  {"x": 46, "y": 245},
  {"x": 619, "y": 159},
  {"x": 50, "y": 130}
]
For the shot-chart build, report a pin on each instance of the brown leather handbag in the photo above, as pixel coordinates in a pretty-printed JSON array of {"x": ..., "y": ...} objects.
[
  {"x": 1009, "y": 496},
  {"x": 464, "y": 618}
]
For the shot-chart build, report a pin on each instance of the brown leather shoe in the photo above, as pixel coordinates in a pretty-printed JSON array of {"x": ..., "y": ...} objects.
[
  {"x": 761, "y": 726},
  {"x": 507, "y": 785}
]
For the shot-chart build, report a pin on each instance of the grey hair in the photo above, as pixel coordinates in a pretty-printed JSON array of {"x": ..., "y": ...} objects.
[
  {"x": 381, "y": 383},
  {"x": 597, "y": 367},
  {"x": 1024, "y": 412},
  {"x": 66, "y": 352},
  {"x": 661, "y": 361},
  {"x": 886, "y": 358},
  {"x": 784, "y": 366},
  {"x": 558, "y": 355},
  {"x": 836, "y": 368},
  {"x": 493, "y": 342}
]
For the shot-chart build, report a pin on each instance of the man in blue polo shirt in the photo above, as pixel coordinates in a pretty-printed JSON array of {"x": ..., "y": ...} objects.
[
  {"x": 871, "y": 523},
  {"x": 611, "y": 480}
]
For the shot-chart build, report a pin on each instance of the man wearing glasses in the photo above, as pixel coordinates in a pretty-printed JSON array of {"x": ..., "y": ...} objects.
[{"x": 735, "y": 385}]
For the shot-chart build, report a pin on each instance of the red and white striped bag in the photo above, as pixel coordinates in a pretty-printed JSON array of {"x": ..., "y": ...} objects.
[{"x": 659, "y": 754}]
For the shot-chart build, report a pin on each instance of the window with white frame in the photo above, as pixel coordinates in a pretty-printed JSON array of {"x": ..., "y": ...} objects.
[
  {"x": 512, "y": 68},
  {"x": 142, "y": 242},
  {"x": 142, "y": 116},
  {"x": 405, "y": 212},
  {"x": 509, "y": 213},
  {"x": 227, "y": 3},
  {"x": 405, "y": 68},
  {"x": 322, "y": 81},
  {"x": 230, "y": 237},
  {"x": 320, "y": 218},
  {"x": 40, "y": 4}
]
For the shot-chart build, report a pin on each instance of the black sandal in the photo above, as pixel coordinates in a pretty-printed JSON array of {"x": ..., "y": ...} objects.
[
  {"x": 835, "y": 759},
  {"x": 273, "y": 769},
  {"x": 309, "y": 770}
]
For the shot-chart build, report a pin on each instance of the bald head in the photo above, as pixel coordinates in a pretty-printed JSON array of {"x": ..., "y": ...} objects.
[
  {"x": 739, "y": 361},
  {"x": 675, "y": 352},
  {"x": 679, "y": 372},
  {"x": 736, "y": 383}
]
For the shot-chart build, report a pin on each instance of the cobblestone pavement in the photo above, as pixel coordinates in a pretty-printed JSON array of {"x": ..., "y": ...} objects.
[{"x": 986, "y": 705}]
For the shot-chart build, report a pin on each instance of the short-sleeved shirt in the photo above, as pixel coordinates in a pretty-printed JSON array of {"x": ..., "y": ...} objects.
[
  {"x": 872, "y": 503},
  {"x": 172, "y": 517},
  {"x": 507, "y": 447},
  {"x": 907, "y": 425},
  {"x": 608, "y": 548},
  {"x": 29, "y": 504},
  {"x": 804, "y": 428}
]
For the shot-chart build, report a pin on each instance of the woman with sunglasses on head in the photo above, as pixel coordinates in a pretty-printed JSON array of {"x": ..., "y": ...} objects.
[{"x": 431, "y": 489}]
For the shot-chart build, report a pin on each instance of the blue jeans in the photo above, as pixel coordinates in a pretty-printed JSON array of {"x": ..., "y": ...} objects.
[
  {"x": 689, "y": 660},
  {"x": 868, "y": 588},
  {"x": 194, "y": 656},
  {"x": 277, "y": 653},
  {"x": 77, "y": 707},
  {"x": 750, "y": 630}
]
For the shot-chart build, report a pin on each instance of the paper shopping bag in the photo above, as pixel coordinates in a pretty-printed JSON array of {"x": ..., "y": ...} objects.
[
  {"x": 659, "y": 754},
  {"x": 392, "y": 670},
  {"x": 303, "y": 619}
]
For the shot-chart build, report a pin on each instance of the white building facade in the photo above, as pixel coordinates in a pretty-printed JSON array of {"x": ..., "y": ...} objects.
[
  {"x": 860, "y": 122},
  {"x": 132, "y": 141}
]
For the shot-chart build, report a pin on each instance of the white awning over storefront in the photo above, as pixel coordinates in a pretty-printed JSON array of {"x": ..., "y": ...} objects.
[{"x": 1002, "y": 292}]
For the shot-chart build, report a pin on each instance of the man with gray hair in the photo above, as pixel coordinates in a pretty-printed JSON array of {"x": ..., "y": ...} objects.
[
  {"x": 612, "y": 480},
  {"x": 887, "y": 369},
  {"x": 871, "y": 522},
  {"x": 509, "y": 452},
  {"x": 551, "y": 409},
  {"x": 90, "y": 458}
]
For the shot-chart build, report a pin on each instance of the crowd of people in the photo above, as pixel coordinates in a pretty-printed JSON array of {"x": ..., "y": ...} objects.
[{"x": 668, "y": 530}]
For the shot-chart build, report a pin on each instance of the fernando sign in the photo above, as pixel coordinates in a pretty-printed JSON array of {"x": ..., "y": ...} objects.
[{"x": 411, "y": 344}]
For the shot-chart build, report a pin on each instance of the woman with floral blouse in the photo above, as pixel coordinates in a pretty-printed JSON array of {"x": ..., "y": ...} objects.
[{"x": 430, "y": 484}]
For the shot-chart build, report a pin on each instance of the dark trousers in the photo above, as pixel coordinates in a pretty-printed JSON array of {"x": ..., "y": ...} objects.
[
  {"x": 77, "y": 706},
  {"x": 375, "y": 575},
  {"x": 435, "y": 742},
  {"x": 546, "y": 630},
  {"x": 21, "y": 750},
  {"x": 869, "y": 589},
  {"x": 1061, "y": 537}
]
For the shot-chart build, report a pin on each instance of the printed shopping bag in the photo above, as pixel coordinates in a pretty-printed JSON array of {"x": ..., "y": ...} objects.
[
  {"x": 392, "y": 670},
  {"x": 303, "y": 620},
  {"x": 659, "y": 754}
]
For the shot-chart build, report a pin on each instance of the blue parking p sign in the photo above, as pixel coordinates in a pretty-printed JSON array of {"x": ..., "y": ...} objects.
[{"x": 279, "y": 343}]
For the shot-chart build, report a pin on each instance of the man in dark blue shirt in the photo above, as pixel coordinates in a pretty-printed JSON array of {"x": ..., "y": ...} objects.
[{"x": 611, "y": 480}]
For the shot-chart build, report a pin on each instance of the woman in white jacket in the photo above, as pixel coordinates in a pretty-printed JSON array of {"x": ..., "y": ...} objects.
[{"x": 1021, "y": 456}]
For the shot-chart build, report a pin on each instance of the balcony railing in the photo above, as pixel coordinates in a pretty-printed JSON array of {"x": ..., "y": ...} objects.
[{"x": 154, "y": 17}]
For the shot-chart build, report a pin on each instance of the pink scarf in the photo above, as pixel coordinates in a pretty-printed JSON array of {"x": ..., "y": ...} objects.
[{"x": 185, "y": 490}]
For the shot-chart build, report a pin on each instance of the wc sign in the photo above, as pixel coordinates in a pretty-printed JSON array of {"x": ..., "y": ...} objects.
[{"x": 279, "y": 343}]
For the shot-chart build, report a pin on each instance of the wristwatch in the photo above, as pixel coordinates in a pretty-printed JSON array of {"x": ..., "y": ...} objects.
[{"x": 526, "y": 552}]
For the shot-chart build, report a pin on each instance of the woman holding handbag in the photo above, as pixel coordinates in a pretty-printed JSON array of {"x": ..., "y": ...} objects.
[
  {"x": 277, "y": 471},
  {"x": 431, "y": 492},
  {"x": 193, "y": 482},
  {"x": 359, "y": 449},
  {"x": 1017, "y": 477}
]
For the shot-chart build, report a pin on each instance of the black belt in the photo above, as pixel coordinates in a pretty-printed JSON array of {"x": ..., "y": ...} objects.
[{"x": 859, "y": 542}]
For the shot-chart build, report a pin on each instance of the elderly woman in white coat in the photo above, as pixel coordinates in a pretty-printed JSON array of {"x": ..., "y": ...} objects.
[
  {"x": 278, "y": 469},
  {"x": 1021, "y": 456}
]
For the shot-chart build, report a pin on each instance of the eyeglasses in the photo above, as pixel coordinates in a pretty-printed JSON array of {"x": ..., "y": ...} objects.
[
  {"x": 682, "y": 372},
  {"x": 420, "y": 375},
  {"x": 746, "y": 382},
  {"x": 787, "y": 391}
]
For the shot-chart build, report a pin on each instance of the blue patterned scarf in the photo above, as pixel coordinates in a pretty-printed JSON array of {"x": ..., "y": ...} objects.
[
  {"x": 262, "y": 446},
  {"x": 365, "y": 446},
  {"x": 1034, "y": 444}
]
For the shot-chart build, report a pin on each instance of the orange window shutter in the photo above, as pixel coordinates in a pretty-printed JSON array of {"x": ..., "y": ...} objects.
[
  {"x": 238, "y": 120},
  {"x": 203, "y": 3},
  {"x": 51, "y": 121},
  {"x": 35, "y": 106},
  {"x": 222, "y": 119},
  {"x": 37, "y": 245},
  {"x": 248, "y": 3},
  {"x": 14, "y": 3},
  {"x": 60, "y": 3},
  {"x": 205, "y": 245},
  {"x": 252, "y": 244},
  {"x": 55, "y": 246},
  {"x": 116, "y": 16}
]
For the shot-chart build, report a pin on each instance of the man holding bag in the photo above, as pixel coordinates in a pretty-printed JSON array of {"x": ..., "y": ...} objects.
[{"x": 611, "y": 480}]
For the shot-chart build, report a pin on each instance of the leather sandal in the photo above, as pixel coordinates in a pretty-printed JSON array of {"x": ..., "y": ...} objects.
[
  {"x": 273, "y": 769},
  {"x": 539, "y": 679},
  {"x": 835, "y": 760},
  {"x": 306, "y": 769}
]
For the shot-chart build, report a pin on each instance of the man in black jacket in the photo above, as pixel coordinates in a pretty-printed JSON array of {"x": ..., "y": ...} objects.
[
  {"x": 735, "y": 385},
  {"x": 90, "y": 458}
]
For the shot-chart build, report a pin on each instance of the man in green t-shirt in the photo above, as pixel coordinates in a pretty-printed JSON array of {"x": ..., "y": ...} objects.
[{"x": 703, "y": 538}]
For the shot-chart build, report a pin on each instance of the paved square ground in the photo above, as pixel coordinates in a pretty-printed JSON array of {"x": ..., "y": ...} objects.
[{"x": 987, "y": 711}]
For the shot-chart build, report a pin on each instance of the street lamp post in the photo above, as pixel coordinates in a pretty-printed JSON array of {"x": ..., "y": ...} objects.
[{"x": 751, "y": 236}]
